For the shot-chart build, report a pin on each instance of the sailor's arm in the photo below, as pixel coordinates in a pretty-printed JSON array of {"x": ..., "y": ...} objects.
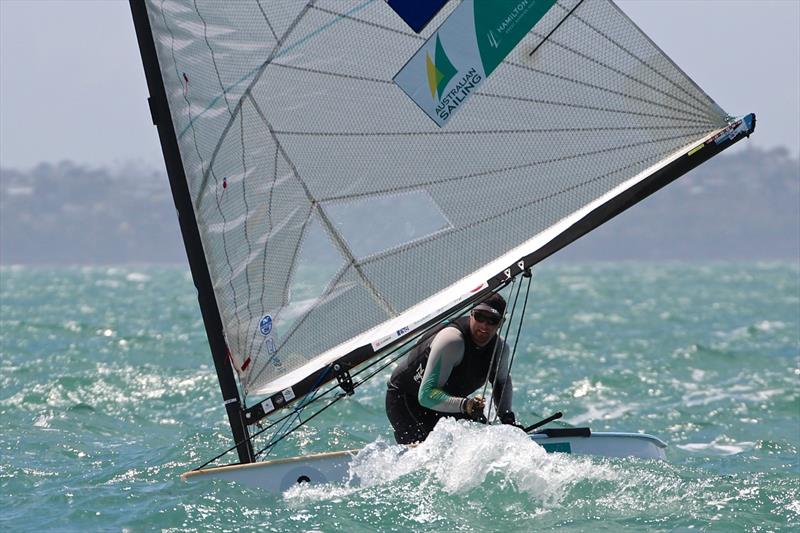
[{"x": 447, "y": 351}]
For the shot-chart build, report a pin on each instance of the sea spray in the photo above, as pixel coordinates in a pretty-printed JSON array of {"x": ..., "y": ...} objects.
[{"x": 460, "y": 456}]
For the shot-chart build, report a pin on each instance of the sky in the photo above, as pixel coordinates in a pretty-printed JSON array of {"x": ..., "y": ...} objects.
[{"x": 72, "y": 84}]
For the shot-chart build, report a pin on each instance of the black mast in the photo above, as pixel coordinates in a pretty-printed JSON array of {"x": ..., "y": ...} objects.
[{"x": 191, "y": 236}]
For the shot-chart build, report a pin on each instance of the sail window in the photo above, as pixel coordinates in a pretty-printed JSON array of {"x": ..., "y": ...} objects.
[
  {"x": 316, "y": 265},
  {"x": 379, "y": 223}
]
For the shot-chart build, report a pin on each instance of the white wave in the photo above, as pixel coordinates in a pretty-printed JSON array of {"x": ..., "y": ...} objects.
[
  {"x": 137, "y": 277},
  {"x": 459, "y": 456},
  {"x": 716, "y": 448}
]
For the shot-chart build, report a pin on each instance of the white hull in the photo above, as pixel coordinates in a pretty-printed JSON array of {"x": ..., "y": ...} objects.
[{"x": 281, "y": 474}]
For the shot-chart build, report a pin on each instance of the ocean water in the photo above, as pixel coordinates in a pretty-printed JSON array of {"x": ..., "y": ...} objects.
[{"x": 107, "y": 395}]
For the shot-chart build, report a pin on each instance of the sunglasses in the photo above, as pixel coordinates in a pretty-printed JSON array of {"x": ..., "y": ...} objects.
[{"x": 486, "y": 319}]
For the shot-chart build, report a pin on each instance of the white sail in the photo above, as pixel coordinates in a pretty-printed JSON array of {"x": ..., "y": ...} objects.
[{"x": 333, "y": 212}]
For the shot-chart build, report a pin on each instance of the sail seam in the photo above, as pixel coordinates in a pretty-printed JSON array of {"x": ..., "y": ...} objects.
[
  {"x": 700, "y": 119},
  {"x": 249, "y": 89},
  {"x": 266, "y": 19},
  {"x": 624, "y": 75},
  {"x": 434, "y": 133},
  {"x": 643, "y": 62},
  {"x": 607, "y": 90},
  {"x": 328, "y": 290},
  {"x": 246, "y": 232},
  {"x": 344, "y": 249},
  {"x": 200, "y": 157},
  {"x": 593, "y": 108},
  {"x": 332, "y": 74},
  {"x": 213, "y": 58},
  {"x": 495, "y": 216},
  {"x": 368, "y": 23},
  {"x": 266, "y": 250},
  {"x": 490, "y": 172},
  {"x": 285, "y": 294},
  {"x": 212, "y": 163}
]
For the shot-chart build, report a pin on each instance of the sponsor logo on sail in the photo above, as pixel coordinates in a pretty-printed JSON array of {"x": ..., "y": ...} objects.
[
  {"x": 440, "y": 70},
  {"x": 460, "y": 91},
  {"x": 265, "y": 326}
]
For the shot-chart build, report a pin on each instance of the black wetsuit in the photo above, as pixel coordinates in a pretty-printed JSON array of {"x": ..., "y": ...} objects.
[{"x": 437, "y": 376}]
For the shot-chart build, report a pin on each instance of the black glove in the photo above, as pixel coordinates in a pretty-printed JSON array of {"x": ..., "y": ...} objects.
[
  {"x": 473, "y": 408},
  {"x": 509, "y": 418}
]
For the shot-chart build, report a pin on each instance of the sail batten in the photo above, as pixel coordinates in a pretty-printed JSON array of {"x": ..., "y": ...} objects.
[{"x": 334, "y": 213}]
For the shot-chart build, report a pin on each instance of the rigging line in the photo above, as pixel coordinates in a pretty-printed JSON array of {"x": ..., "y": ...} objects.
[
  {"x": 302, "y": 423},
  {"x": 605, "y": 89},
  {"x": 528, "y": 274},
  {"x": 546, "y": 37},
  {"x": 494, "y": 352},
  {"x": 394, "y": 190},
  {"x": 525, "y": 205},
  {"x": 396, "y": 352},
  {"x": 305, "y": 401},
  {"x": 478, "y": 132},
  {"x": 329, "y": 227},
  {"x": 507, "y": 324},
  {"x": 252, "y": 436}
]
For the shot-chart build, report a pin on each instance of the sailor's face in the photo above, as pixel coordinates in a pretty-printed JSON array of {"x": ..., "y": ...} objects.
[{"x": 482, "y": 326}]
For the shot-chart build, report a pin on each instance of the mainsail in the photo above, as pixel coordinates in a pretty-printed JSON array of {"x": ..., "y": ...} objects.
[{"x": 334, "y": 217}]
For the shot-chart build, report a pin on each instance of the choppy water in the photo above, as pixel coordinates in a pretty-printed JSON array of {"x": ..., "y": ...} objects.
[{"x": 107, "y": 395}]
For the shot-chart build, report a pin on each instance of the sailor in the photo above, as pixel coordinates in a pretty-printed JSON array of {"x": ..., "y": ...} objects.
[{"x": 439, "y": 374}]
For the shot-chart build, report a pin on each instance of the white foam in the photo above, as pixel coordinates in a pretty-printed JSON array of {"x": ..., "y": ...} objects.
[{"x": 460, "y": 456}]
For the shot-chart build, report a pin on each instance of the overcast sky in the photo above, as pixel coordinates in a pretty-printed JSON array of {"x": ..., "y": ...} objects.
[{"x": 72, "y": 84}]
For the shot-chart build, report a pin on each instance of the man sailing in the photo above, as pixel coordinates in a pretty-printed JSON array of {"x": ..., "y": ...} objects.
[{"x": 438, "y": 376}]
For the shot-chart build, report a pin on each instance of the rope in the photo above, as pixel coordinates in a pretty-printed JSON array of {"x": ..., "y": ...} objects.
[
  {"x": 528, "y": 275},
  {"x": 316, "y": 396}
]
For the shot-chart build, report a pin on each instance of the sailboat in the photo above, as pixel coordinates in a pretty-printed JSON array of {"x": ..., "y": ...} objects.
[{"x": 348, "y": 176}]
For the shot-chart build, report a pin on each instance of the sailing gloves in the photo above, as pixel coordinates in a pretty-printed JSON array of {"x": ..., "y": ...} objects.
[
  {"x": 473, "y": 407},
  {"x": 508, "y": 417}
]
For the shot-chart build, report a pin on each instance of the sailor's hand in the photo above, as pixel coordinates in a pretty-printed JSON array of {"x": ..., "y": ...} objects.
[{"x": 474, "y": 407}]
